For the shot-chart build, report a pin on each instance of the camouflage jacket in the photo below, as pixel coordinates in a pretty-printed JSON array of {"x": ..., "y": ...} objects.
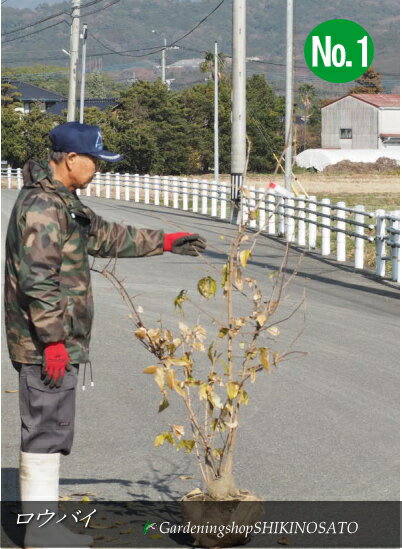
[{"x": 48, "y": 296}]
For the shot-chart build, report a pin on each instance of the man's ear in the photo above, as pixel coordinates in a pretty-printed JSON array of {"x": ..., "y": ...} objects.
[{"x": 70, "y": 159}]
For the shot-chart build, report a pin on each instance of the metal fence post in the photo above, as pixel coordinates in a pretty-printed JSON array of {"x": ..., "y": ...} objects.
[
  {"x": 359, "y": 242},
  {"x": 395, "y": 250},
  {"x": 301, "y": 235},
  {"x": 8, "y": 178},
  {"x": 89, "y": 189},
  {"x": 146, "y": 189},
  {"x": 204, "y": 193},
  {"x": 312, "y": 226},
  {"x": 214, "y": 199},
  {"x": 136, "y": 187},
  {"x": 98, "y": 184},
  {"x": 271, "y": 213},
  {"x": 281, "y": 216},
  {"x": 223, "y": 188},
  {"x": 107, "y": 183},
  {"x": 290, "y": 225},
  {"x": 380, "y": 243},
  {"x": 341, "y": 236},
  {"x": 185, "y": 194},
  {"x": 175, "y": 192},
  {"x": 165, "y": 179},
  {"x": 117, "y": 186},
  {"x": 253, "y": 221},
  {"x": 261, "y": 209},
  {"x": 326, "y": 231},
  {"x": 127, "y": 186},
  {"x": 19, "y": 178},
  {"x": 245, "y": 206},
  {"x": 196, "y": 192},
  {"x": 157, "y": 185}
]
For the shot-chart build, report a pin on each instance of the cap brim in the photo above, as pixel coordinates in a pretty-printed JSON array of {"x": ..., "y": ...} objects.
[{"x": 107, "y": 156}]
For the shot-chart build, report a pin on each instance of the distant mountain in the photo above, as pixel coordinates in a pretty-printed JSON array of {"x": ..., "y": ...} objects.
[{"x": 128, "y": 25}]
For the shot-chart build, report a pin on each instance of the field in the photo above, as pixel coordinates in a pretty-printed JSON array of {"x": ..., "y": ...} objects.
[{"x": 375, "y": 191}]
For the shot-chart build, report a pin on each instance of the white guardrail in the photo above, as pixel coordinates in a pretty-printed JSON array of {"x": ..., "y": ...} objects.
[{"x": 307, "y": 222}]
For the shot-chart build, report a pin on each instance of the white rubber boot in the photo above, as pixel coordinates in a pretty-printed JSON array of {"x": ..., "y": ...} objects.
[{"x": 39, "y": 481}]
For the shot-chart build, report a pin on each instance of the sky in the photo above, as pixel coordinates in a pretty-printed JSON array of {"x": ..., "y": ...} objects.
[{"x": 28, "y": 3}]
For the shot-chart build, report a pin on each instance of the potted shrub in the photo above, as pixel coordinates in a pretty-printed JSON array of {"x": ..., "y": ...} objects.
[{"x": 198, "y": 364}]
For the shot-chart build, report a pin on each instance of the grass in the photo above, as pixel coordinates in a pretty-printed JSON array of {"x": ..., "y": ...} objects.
[{"x": 372, "y": 202}]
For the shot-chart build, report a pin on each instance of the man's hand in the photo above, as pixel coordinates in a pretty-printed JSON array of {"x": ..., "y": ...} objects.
[
  {"x": 55, "y": 364},
  {"x": 184, "y": 243}
]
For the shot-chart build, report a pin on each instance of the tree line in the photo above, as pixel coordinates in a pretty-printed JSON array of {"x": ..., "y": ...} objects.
[
  {"x": 171, "y": 132},
  {"x": 157, "y": 130}
]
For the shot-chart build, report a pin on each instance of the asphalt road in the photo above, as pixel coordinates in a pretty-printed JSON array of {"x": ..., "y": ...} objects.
[{"x": 323, "y": 427}]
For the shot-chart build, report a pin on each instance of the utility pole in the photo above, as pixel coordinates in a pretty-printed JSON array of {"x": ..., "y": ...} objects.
[
  {"x": 216, "y": 118},
  {"x": 289, "y": 96},
  {"x": 238, "y": 153},
  {"x": 164, "y": 63},
  {"x": 74, "y": 44},
  {"x": 83, "y": 69}
]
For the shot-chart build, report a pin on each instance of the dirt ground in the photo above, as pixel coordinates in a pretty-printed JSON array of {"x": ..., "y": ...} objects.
[{"x": 320, "y": 184}]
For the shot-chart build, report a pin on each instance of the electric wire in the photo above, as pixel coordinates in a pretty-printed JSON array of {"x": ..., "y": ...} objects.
[
  {"x": 87, "y": 5},
  {"x": 33, "y": 32}
]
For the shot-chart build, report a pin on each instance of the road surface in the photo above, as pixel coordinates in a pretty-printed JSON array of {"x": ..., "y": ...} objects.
[{"x": 323, "y": 427}]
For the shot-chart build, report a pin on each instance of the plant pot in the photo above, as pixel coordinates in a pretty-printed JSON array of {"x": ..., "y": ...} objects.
[{"x": 208, "y": 518}]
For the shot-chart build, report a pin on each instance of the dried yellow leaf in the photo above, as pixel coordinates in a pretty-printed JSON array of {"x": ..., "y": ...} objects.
[
  {"x": 244, "y": 257},
  {"x": 150, "y": 370}
]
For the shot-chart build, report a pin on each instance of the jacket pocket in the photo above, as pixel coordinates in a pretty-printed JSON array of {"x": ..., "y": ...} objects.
[{"x": 47, "y": 409}]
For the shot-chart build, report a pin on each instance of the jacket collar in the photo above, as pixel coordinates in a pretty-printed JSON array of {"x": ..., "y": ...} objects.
[{"x": 40, "y": 174}]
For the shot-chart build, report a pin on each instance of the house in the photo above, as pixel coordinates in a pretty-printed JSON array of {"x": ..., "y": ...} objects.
[
  {"x": 31, "y": 95},
  {"x": 52, "y": 103},
  {"x": 102, "y": 104},
  {"x": 361, "y": 121}
]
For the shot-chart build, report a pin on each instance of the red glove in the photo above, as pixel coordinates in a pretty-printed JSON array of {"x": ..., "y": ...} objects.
[
  {"x": 184, "y": 243},
  {"x": 55, "y": 365},
  {"x": 169, "y": 238}
]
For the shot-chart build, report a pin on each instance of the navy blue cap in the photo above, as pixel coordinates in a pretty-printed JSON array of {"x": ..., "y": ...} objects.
[{"x": 81, "y": 139}]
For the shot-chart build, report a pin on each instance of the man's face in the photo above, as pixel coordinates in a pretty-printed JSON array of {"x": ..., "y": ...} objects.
[{"x": 82, "y": 169}]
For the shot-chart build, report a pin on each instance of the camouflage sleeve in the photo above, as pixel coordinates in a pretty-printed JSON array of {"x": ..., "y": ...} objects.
[
  {"x": 38, "y": 277},
  {"x": 115, "y": 240}
]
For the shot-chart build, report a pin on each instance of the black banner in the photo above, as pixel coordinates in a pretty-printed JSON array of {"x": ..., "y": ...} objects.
[{"x": 214, "y": 524}]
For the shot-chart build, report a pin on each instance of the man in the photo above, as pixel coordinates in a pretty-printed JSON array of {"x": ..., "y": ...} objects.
[{"x": 48, "y": 297}]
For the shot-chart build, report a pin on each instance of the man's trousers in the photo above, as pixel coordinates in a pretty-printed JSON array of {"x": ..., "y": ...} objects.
[{"x": 47, "y": 415}]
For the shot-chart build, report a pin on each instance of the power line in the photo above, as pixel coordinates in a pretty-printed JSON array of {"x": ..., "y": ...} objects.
[
  {"x": 101, "y": 9},
  {"x": 159, "y": 48},
  {"x": 36, "y": 23},
  {"x": 87, "y": 5},
  {"x": 34, "y": 32}
]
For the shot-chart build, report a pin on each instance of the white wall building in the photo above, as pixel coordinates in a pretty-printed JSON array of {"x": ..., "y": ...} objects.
[{"x": 361, "y": 121}]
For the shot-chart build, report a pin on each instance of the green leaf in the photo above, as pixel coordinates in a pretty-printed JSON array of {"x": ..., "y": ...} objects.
[
  {"x": 211, "y": 353},
  {"x": 225, "y": 275},
  {"x": 243, "y": 397},
  {"x": 223, "y": 332},
  {"x": 180, "y": 299},
  {"x": 264, "y": 357},
  {"x": 207, "y": 287},
  {"x": 188, "y": 445},
  {"x": 163, "y": 405}
]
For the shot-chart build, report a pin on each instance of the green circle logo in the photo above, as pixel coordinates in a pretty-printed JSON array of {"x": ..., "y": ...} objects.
[{"x": 338, "y": 50}]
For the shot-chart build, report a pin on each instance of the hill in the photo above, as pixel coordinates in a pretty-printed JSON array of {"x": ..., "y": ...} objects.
[{"x": 128, "y": 24}]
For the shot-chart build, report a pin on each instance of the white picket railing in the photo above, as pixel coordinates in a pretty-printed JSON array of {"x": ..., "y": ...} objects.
[{"x": 305, "y": 222}]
